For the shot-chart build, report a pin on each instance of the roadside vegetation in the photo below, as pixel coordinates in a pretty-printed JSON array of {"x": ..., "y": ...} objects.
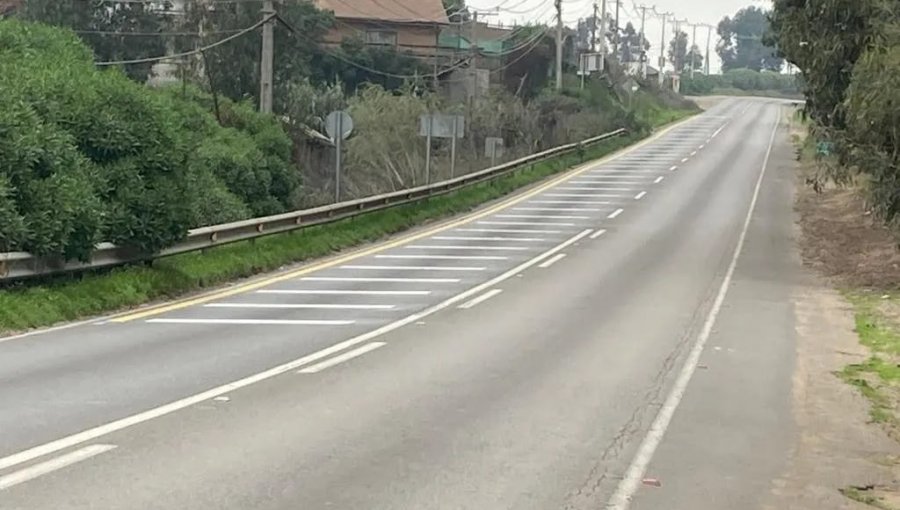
[
  {"x": 90, "y": 153},
  {"x": 743, "y": 82},
  {"x": 71, "y": 298},
  {"x": 857, "y": 250}
]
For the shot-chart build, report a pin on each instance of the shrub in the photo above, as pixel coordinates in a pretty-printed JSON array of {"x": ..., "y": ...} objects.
[{"x": 88, "y": 155}]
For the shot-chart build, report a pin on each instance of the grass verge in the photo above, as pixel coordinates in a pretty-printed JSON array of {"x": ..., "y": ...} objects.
[
  {"x": 73, "y": 298},
  {"x": 878, "y": 378},
  {"x": 865, "y": 496}
]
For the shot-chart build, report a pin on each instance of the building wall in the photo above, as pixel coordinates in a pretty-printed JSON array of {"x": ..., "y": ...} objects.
[{"x": 417, "y": 39}]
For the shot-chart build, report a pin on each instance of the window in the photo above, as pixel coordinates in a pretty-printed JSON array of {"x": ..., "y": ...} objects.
[{"x": 381, "y": 37}]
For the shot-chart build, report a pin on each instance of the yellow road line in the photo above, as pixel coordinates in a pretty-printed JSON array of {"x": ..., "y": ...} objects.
[{"x": 265, "y": 282}]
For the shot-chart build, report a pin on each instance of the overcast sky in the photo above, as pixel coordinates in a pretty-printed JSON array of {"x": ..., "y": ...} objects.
[{"x": 696, "y": 11}]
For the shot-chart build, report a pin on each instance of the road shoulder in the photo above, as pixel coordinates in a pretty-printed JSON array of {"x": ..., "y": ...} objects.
[{"x": 841, "y": 458}]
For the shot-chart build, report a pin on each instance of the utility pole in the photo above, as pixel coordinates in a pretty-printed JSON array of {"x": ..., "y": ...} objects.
[
  {"x": 679, "y": 62},
  {"x": 708, "y": 38},
  {"x": 267, "y": 65},
  {"x": 662, "y": 51},
  {"x": 616, "y": 33},
  {"x": 473, "y": 48},
  {"x": 559, "y": 48},
  {"x": 603, "y": 33},
  {"x": 693, "y": 46},
  {"x": 594, "y": 30},
  {"x": 643, "y": 38}
]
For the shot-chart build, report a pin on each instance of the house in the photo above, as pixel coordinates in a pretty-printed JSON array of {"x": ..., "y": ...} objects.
[
  {"x": 8, "y": 6},
  {"x": 410, "y": 26}
]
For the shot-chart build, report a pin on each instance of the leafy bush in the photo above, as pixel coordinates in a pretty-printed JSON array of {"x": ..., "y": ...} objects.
[
  {"x": 88, "y": 155},
  {"x": 872, "y": 115},
  {"x": 744, "y": 80}
]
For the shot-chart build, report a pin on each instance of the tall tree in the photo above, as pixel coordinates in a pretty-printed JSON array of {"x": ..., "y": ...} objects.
[
  {"x": 632, "y": 44},
  {"x": 457, "y": 10},
  {"x": 694, "y": 59},
  {"x": 744, "y": 44},
  {"x": 115, "y": 31},
  {"x": 806, "y": 35},
  {"x": 678, "y": 48},
  {"x": 527, "y": 68}
]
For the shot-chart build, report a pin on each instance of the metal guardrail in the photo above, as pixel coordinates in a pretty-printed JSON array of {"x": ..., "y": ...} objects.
[{"x": 21, "y": 265}]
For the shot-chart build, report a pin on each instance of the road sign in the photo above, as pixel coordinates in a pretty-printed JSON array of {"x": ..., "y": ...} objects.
[
  {"x": 493, "y": 148},
  {"x": 338, "y": 122},
  {"x": 439, "y": 125}
]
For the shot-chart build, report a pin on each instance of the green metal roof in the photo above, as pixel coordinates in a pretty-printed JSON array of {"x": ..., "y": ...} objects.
[{"x": 451, "y": 40}]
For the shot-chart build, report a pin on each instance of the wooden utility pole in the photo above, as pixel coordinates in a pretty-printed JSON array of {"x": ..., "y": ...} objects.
[
  {"x": 693, "y": 45},
  {"x": 708, "y": 38},
  {"x": 559, "y": 44},
  {"x": 643, "y": 56},
  {"x": 603, "y": 33},
  {"x": 616, "y": 32},
  {"x": 473, "y": 48},
  {"x": 267, "y": 64},
  {"x": 594, "y": 30},
  {"x": 662, "y": 51}
]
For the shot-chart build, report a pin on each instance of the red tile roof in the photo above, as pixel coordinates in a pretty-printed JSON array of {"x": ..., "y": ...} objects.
[{"x": 398, "y": 11}]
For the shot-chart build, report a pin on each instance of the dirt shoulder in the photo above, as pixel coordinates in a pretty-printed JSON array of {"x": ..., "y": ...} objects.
[{"x": 848, "y": 331}]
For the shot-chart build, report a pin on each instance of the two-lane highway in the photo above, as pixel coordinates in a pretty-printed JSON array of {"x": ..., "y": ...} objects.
[{"x": 512, "y": 358}]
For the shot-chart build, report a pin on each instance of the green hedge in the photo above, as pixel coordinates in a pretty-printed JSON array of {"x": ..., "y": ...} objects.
[{"x": 88, "y": 155}]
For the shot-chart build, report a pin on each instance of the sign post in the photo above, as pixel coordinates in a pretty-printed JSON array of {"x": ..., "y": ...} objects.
[
  {"x": 453, "y": 146},
  {"x": 430, "y": 131},
  {"x": 338, "y": 126},
  {"x": 436, "y": 125}
]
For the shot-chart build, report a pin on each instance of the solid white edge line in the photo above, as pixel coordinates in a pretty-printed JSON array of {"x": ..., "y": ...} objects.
[
  {"x": 337, "y": 360},
  {"x": 615, "y": 214},
  {"x": 480, "y": 299},
  {"x": 552, "y": 261},
  {"x": 640, "y": 195},
  {"x": 123, "y": 423},
  {"x": 55, "y": 464},
  {"x": 621, "y": 498},
  {"x": 598, "y": 233}
]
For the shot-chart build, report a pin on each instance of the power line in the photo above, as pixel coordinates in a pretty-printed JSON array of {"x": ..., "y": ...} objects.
[{"x": 192, "y": 52}]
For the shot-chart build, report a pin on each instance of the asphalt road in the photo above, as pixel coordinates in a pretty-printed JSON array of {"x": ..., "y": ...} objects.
[{"x": 514, "y": 358}]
